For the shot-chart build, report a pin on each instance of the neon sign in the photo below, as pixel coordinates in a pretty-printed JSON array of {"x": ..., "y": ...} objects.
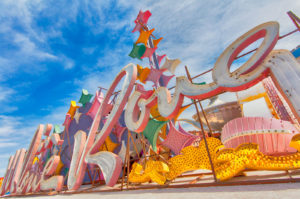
[{"x": 264, "y": 62}]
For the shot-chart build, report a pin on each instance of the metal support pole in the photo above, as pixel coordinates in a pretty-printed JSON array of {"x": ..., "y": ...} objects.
[
  {"x": 204, "y": 114},
  {"x": 202, "y": 129}
]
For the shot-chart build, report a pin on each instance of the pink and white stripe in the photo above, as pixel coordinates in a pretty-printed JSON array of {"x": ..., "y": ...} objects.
[{"x": 272, "y": 135}]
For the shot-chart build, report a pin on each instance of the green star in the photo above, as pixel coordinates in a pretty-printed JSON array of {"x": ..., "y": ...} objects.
[
  {"x": 85, "y": 97},
  {"x": 152, "y": 130}
]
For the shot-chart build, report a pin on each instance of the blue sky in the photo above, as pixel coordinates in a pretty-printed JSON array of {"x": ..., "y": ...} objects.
[{"x": 50, "y": 50}]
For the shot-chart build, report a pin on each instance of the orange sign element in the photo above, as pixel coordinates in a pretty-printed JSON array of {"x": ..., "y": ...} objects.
[
  {"x": 156, "y": 115},
  {"x": 72, "y": 109},
  {"x": 144, "y": 36},
  {"x": 109, "y": 145},
  {"x": 156, "y": 41},
  {"x": 143, "y": 73},
  {"x": 58, "y": 168},
  {"x": 1, "y": 180}
]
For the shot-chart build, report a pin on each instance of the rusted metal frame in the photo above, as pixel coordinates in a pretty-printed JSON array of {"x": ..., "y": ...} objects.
[
  {"x": 144, "y": 150},
  {"x": 147, "y": 156},
  {"x": 193, "y": 175},
  {"x": 105, "y": 145},
  {"x": 89, "y": 174},
  {"x": 134, "y": 145},
  {"x": 202, "y": 130},
  {"x": 204, "y": 114},
  {"x": 125, "y": 163},
  {"x": 288, "y": 34},
  {"x": 219, "y": 184},
  {"x": 93, "y": 182},
  {"x": 63, "y": 137},
  {"x": 147, "y": 187},
  {"x": 234, "y": 183},
  {"x": 107, "y": 90},
  {"x": 99, "y": 174},
  {"x": 202, "y": 73},
  {"x": 123, "y": 174},
  {"x": 292, "y": 17}
]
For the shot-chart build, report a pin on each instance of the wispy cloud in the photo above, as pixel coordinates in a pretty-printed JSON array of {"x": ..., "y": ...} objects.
[{"x": 8, "y": 144}]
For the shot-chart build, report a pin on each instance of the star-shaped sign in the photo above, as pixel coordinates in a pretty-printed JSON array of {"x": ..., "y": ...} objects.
[
  {"x": 109, "y": 145},
  {"x": 85, "y": 97},
  {"x": 152, "y": 130},
  {"x": 170, "y": 65},
  {"x": 176, "y": 140},
  {"x": 137, "y": 51},
  {"x": 141, "y": 20},
  {"x": 149, "y": 52},
  {"x": 144, "y": 37}
]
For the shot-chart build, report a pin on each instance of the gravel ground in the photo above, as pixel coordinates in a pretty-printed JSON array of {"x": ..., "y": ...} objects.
[{"x": 272, "y": 191}]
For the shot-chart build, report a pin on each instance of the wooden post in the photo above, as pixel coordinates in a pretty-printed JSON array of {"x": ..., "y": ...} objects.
[{"x": 202, "y": 129}]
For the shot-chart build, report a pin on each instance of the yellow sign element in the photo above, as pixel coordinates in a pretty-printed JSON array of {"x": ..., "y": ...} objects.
[
  {"x": 231, "y": 162},
  {"x": 35, "y": 160},
  {"x": 193, "y": 158},
  {"x": 295, "y": 142},
  {"x": 144, "y": 36},
  {"x": 72, "y": 109},
  {"x": 109, "y": 145},
  {"x": 154, "y": 170},
  {"x": 143, "y": 73}
]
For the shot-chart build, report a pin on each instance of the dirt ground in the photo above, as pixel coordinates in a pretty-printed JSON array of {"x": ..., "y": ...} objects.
[{"x": 272, "y": 191}]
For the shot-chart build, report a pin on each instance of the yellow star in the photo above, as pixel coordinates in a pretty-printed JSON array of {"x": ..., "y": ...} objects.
[{"x": 109, "y": 145}]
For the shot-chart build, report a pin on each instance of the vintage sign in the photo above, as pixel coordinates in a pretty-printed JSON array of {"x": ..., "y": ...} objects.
[{"x": 25, "y": 174}]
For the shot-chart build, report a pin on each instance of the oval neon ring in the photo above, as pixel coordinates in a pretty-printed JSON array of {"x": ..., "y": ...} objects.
[{"x": 221, "y": 74}]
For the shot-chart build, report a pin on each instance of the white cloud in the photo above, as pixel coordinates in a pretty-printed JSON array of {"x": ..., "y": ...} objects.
[
  {"x": 8, "y": 144},
  {"x": 8, "y": 125},
  {"x": 29, "y": 48},
  {"x": 6, "y": 93}
]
